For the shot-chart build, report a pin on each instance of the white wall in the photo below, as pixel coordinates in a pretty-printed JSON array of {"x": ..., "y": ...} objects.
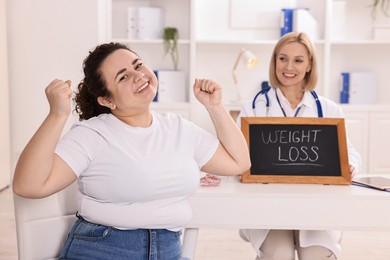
[
  {"x": 47, "y": 39},
  {"x": 4, "y": 102}
]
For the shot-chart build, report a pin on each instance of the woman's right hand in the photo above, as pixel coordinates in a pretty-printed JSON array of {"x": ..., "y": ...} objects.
[
  {"x": 58, "y": 94},
  {"x": 39, "y": 171}
]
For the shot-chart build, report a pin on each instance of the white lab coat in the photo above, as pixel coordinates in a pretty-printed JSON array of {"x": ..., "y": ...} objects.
[{"x": 328, "y": 239}]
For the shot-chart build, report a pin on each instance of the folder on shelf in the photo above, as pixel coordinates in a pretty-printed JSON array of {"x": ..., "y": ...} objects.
[
  {"x": 145, "y": 23},
  {"x": 344, "y": 88},
  {"x": 132, "y": 23},
  {"x": 303, "y": 21},
  {"x": 298, "y": 20},
  {"x": 171, "y": 86},
  {"x": 150, "y": 23},
  {"x": 362, "y": 88},
  {"x": 286, "y": 21},
  {"x": 358, "y": 88}
]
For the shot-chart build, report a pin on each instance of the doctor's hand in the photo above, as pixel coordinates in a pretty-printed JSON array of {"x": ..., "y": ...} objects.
[
  {"x": 58, "y": 94},
  {"x": 208, "y": 92}
]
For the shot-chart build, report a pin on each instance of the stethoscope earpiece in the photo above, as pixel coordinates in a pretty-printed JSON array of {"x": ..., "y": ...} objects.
[{"x": 261, "y": 92}]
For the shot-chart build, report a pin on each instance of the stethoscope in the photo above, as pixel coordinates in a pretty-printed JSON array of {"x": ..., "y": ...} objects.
[{"x": 265, "y": 93}]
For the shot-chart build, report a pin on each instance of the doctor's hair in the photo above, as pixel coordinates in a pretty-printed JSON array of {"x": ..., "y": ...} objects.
[
  {"x": 311, "y": 77},
  {"x": 94, "y": 85}
]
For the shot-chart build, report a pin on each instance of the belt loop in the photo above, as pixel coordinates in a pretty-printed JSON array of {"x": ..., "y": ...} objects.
[{"x": 79, "y": 216}]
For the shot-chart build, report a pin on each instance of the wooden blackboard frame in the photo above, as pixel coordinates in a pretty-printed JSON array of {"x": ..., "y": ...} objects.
[{"x": 344, "y": 178}]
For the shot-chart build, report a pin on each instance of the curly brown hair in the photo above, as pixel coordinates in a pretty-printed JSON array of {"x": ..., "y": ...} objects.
[{"x": 93, "y": 85}]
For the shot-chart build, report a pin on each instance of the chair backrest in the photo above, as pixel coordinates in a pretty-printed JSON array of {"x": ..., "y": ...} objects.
[{"x": 42, "y": 225}]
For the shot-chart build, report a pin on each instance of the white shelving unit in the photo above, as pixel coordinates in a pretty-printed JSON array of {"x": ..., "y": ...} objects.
[{"x": 211, "y": 38}]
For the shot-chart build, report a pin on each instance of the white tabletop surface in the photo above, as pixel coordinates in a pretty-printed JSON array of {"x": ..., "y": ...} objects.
[{"x": 233, "y": 204}]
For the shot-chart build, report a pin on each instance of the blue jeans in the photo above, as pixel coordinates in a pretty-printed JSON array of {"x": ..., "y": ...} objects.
[{"x": 92, "y": 241}]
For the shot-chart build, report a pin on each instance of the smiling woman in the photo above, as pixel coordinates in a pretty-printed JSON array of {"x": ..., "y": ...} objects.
[
  {"x": 131, "y": 86},
  {"x": 293, "y": 76},
  {"x": 135, "y": 168}
]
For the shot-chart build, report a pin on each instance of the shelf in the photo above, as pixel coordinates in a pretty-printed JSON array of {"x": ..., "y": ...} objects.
[
  {"x": 254, "y": 42},
  {"x": 154, "y": 41},
  {"x": 244, "y": 42},
  {"x": 365, "y": 108},
  {"x": 234, "y": 42},
  {"x": 360, "y": 42},
  {"x": 346, "y": 107}
]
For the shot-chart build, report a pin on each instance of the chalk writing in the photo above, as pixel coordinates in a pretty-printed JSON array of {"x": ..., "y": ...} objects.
[
  {"x": 299, "y": 154},
  {"x": 286, "y": 136}
]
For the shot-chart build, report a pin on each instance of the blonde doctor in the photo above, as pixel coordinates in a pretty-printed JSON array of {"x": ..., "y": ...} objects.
[{"x": 293, "y": 76}]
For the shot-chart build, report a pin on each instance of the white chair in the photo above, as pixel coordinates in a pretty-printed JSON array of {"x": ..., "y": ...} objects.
[{"x": 42, "y": 225}]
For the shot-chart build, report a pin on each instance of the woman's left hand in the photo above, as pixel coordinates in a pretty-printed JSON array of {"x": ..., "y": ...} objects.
[{"x": 208, "y": 92}]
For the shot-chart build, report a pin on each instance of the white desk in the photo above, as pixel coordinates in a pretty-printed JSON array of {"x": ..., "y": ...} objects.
[{"x": 285, "y": 206}]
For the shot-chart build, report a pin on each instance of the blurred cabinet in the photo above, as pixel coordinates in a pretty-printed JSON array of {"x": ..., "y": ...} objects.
[
  {"x": 379, "y": 145},
  {"x": 358, "y": 129},
  {"x": 368, "y": 129}
]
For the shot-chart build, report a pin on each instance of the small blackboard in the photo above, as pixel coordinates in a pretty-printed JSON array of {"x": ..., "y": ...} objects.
[{"x": 296, "y": 150}]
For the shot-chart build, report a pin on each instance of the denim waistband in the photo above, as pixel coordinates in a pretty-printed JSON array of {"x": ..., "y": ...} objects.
[{"x": 95, "y": 241}]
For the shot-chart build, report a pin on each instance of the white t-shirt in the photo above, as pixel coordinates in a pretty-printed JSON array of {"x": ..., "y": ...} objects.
[{"x": 132, "y": 177}]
